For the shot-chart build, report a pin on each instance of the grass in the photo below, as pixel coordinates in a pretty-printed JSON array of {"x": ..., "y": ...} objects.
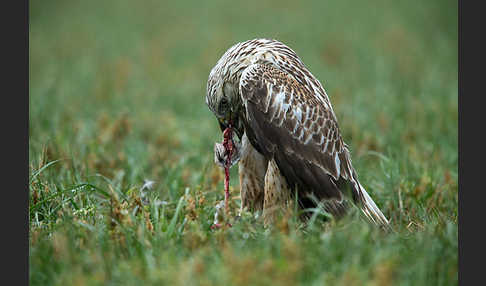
[{"x": 117, "y": 97}]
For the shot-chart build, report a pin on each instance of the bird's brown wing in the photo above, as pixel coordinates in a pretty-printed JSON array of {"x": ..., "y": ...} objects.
[{"x": 287, "y": 121}]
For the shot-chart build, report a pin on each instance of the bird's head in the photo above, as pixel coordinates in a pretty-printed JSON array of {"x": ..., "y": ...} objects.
[
  {"x": 222, "y": 96},
  {"x": 225, "y": 103}
]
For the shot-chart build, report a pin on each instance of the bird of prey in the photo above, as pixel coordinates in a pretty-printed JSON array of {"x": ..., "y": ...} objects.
[{"x": 290, "y": 143}]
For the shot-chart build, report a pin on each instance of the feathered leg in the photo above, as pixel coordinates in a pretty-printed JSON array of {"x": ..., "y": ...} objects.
[
  {"x": 251, "y": 171},
  {"x": 276, "y": 193}
]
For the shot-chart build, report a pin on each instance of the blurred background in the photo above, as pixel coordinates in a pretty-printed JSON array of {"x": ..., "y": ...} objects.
[
  {"x": 390, "y": 69},
  {"x": 117, "y": 94}
]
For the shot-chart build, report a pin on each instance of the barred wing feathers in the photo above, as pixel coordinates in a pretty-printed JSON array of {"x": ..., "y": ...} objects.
[{"x": 287, "y": 121}]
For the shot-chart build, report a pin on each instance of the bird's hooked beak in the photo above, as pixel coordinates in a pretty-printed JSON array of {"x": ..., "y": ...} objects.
[{"x": 235, "y": 123}]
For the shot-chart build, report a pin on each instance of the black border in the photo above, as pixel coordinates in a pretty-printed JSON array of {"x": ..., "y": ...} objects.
[
  {"x": 471, "y": 126},
  {"x": 15, "y": 148}
]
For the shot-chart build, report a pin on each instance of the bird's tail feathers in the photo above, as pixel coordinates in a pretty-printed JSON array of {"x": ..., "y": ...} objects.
[
  {"x": 368, "y": 206},
  {"x": 370, "y": 209}
]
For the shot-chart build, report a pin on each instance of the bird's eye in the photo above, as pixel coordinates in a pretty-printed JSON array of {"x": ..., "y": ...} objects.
[{"x": 224, "y": 102}]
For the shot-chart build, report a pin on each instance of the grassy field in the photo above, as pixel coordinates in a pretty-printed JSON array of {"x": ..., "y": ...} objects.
[{"x": 117, "y": 98}]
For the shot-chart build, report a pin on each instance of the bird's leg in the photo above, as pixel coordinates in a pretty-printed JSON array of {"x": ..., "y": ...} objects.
[
  {"x": 251, "y": 170},
  {"x": 276, "y": 193}
]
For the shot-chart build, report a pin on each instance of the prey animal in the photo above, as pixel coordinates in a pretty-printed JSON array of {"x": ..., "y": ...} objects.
[{"x": 290, "y": 143}]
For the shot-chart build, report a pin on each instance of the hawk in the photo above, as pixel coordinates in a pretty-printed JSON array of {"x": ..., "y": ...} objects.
[{"x": 290, "y": 143}]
